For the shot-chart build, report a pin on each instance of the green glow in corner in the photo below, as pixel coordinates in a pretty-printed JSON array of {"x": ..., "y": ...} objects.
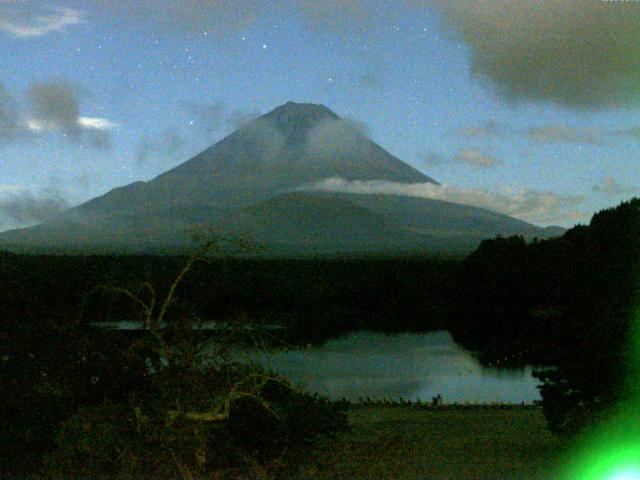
[
  {"x": 629, "y": 474},
  {"x": 605, "y": 457},
  {"x": 611, "y": 450}
]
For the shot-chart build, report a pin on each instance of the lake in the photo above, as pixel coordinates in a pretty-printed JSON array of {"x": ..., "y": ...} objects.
[{"x": 411, "y": 366}]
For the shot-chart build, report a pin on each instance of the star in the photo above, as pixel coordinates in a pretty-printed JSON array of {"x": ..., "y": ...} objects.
[{"x": 264, "y": 46}]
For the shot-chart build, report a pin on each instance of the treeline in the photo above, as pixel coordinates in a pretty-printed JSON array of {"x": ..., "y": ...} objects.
[
  {"x": 568, "y": 302},
  {"x": 544, "y": 296},
  {"x": 314, "y": 298}
]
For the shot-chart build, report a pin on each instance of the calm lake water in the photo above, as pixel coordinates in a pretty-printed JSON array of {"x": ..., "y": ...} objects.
[{"x": 411, "y": 366}]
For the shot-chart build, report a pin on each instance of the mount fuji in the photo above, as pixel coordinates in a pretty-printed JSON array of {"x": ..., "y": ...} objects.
[{"x": 267, "y": 182}]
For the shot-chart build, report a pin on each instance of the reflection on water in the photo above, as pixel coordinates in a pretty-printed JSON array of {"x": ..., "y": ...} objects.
[{"x": 411, "y": 366}]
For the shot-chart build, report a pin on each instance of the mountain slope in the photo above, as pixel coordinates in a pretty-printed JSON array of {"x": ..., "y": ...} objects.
[
  {"x": 348, "y": 222},
  {"x": 289, "y": 146},
  {"x": 248, "y": 183}
]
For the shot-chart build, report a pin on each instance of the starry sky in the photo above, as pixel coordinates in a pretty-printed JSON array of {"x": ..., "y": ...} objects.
[{"x": 527, "y": 108}]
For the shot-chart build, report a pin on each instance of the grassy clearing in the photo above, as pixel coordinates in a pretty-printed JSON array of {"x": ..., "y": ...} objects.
[{"x": 408, "y": 443}]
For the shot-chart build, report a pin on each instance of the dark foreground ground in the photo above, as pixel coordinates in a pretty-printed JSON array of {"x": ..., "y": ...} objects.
[{"x": 409, "y": 443}]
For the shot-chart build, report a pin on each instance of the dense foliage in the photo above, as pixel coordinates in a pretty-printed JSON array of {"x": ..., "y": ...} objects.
[
  {"x": 167, "y": 402},
  {"x": 317, "y": 297},
  {"x": 566, "y": 302}
]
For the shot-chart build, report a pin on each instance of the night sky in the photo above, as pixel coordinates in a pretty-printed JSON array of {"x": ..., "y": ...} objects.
[{"x": 528, "y": 108}]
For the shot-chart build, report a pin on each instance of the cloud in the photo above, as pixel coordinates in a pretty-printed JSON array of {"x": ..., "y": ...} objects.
[
  {"x": 215, "y": 118},
  {"x": 55, "y": 108},
  {"x": 563, "y": 134},
  {"x": 95, "y": 123},
  {"x": 336, "y": 15},
  {"x": 227, "y": 17},
  {"x": 341, "y": 137},
  {"x": 547, "y": 133},
  {"x": 370, "y": 81},
  {"x": 168, "y": 145},
  {"x": 210, "y": 117},
  {"x": 488, "y": 129},
  {"x": 610, "y": 187},
  {"x": 239, "y": 118},
  {"x": 633, "y": 132},
  {"x": 21, "y": 207},
  {"x": 471, "y": 156},
  {"x": 23, "y": 21},
  {"x": 266, "y": 138},
  {"x": 580, "y": 54},
  {"x": 530, "y": 205},
  {"x": 9, "y": 117},
  {"x": 432, "y": 159},
  {"x": 216, "y": 17}
]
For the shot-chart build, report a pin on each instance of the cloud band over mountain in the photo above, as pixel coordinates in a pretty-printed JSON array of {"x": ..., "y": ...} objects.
[{"x": 530, "y": 205}]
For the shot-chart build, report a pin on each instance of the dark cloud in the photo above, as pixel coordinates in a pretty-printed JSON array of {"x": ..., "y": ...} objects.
[
  {"x": 476, "y": 158},
  {"x": 84, "y": 180},
  {"x": 9, "y": 116},
  {"x": 339, "y": 16},
  {"x": 239, "y": 118},
  {"x": 266, "y": 138},
  {"x": 563, "y": 134},
  {"x": 209, "y": 116},
  {"x": 581, "y": 54},
  {"x": 216, "y": 17},
  {"x": 98, "y": 139},
  {"x": 224, "y": 17},
  {"x": 24, "y": 207},
  {"x": 358, "y": 125},
  {"x": 547, "y": 133},
  {"x": 488, "y": 129},
  {"x": 166, "y": 146},
  {"x": 468, "y": 156},
  {"x": 610, "y": 187},
  {"x": 633, "y": 132},
  {"x": 431, "y": 159},
  {"x": 342, "y": 137},
  {"x": 370, "y": 81},
  {"x": 56, "y": 106},
  {"x": 215, "y": 118}
]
